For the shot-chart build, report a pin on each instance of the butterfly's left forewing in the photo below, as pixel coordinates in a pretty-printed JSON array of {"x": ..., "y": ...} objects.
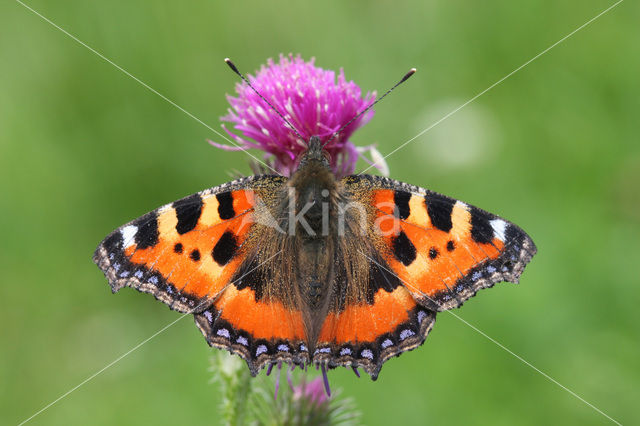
[{"x": 186, "y": 252}]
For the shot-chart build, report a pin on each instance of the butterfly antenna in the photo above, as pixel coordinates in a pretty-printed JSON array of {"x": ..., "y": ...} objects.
[
  {"x": 405, "y": 78},
  {"x": 235, "y": 69}
]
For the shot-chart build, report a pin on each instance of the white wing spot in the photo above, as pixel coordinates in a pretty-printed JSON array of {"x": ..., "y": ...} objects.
[
  {"x": 243, "y": 341},
  {"x": 283, "y": 348},
  {"x": 388, "y": 342},
  {"x": 345, "y": 351},
  {"x": 367, "y": 354},
  {"x": 406, "y": 333},
  {"x": 223, "y": 332},
  {"x": 499, "y": 228},
  {"x": 128, "y": 234},
  {"x": 421, "y": 316},
  {"x": 261, "y": 349},
  {"x": 491, "y": 269},
  {"x": 208, "y": 316}
]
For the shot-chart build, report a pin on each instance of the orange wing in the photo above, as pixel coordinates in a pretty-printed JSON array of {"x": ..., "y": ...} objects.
[
  {"x": 262, "y": 331},
  {"x": 190, "y": 255},
  {"x": 444, "y": 250},
  {"x": 366, "y": 335},
  {"x": 183, "y": 253},
  {"x": 431, "y": 254}
]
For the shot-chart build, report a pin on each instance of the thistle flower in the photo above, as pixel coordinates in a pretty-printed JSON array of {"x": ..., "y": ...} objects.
[
  {"x": 314, "y": 392},
  {"x": 247, "y": 400},
  {"x": 313, "y": 102}
]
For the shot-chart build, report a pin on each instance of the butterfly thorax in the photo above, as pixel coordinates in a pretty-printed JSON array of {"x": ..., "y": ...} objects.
[{"x": 312, "y": 195}]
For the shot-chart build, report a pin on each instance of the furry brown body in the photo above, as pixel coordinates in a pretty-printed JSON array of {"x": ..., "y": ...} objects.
[{"x": 319, "y": 233}]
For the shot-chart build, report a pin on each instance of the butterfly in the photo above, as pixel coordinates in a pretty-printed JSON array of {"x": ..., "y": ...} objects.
[{"x": 315, "y": 269}]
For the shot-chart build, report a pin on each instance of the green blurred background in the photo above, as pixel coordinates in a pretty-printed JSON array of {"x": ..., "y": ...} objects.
[{"x": 555, "y": 148}]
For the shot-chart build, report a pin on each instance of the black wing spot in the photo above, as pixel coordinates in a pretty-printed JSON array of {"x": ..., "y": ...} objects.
[
  {"x": 433, "y": 253},
  {"x": 147, "y": 235},
  {"x": 481, "y": 230},
  {"x": 225, "y": 205},
  {"x": 188, "y": 211},
  {"x": 451, "y": 246},
  {"x": 380, "y": 277},
  {"x": 401, "y": 200},
  {"x": 252, "y": 275},
  {"x": 113, "y": 242},
  {"x": 178, "y": 248},
  {"x": 403, "y": 249},
  {"x": 225, "y": 249},
  {"x": 439, "y": 209},
  {"x": 195, "y": 255}
]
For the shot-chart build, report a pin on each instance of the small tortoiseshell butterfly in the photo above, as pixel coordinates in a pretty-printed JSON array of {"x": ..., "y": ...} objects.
[{"x": 314, "y": 269}]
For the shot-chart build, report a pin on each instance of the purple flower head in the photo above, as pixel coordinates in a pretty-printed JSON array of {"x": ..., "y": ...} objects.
[
  {"x": 313, "y": 391},
  {"x": 311, "y": 99}
]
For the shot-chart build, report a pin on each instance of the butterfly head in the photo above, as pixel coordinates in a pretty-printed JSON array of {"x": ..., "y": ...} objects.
[{"x": 315, "y": 154}]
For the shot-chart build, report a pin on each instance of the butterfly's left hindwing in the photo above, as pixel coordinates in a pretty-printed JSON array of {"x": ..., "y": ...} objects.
[{"x": 262, "y": 332}]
